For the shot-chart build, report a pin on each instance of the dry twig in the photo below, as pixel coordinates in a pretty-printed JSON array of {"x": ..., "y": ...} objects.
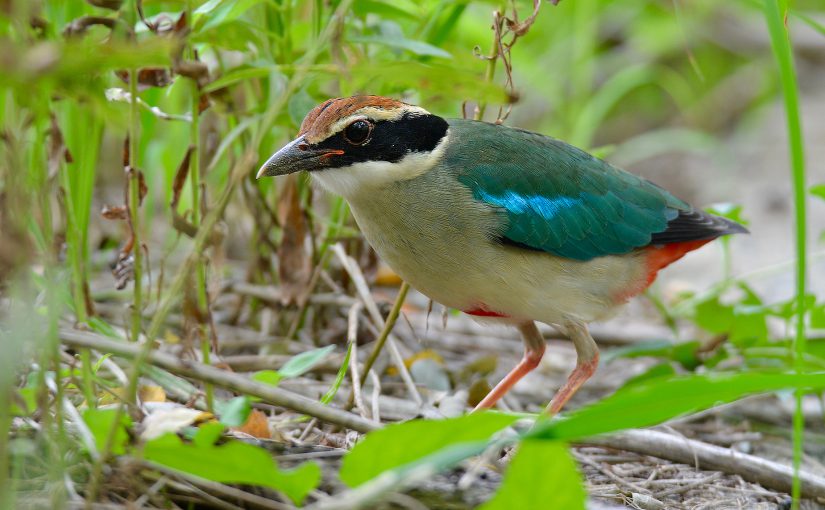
[
  {"x": 218, "y": 377},
  {"x": 767, "y": 473}
]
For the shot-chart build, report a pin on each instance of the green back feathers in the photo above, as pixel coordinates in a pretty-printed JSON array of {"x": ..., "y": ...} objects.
[{"x": 559, "y": 199}]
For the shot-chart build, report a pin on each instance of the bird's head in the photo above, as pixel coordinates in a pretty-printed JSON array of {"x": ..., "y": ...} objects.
[{"x": 356, "y": 143}]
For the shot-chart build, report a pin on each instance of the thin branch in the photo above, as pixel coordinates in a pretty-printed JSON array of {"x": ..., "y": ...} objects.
[
  {"x": 218, "y": 377},
  {"x": 352, "y": 340}
]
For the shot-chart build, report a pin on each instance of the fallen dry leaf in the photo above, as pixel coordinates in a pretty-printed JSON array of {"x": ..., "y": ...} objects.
[
  {"x": 151, "y": 394},
  {"x": 256, "y": 425},
  {"x": 163, "y": 421},
  {"x": 58, "y": 151},
  {"x": 386, "y": 277}
]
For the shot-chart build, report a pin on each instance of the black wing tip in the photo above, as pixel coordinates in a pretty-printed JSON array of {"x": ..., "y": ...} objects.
[
  {"x": 732, "y": 227},
  {"x": 697, "y": 225}
]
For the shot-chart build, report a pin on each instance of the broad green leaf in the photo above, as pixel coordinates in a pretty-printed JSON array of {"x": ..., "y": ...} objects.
[
  {"x": 442, "y": 460},
  {"x": 232, "y": 462},
  {"x": 403, "y": 443},
  {"x": 234, "y": 412},
  {"x": 304, "y": 362},
  {"x": 541, "y": 475},
  {"x": 101, "y": 421},
  {"x": 420, "y": 48},
  {"x": 657, "y": 401},
  {"x": 207, "y": 434}
]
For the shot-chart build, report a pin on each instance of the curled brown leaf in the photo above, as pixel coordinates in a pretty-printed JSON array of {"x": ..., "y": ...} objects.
[
  {"x": 148, "y": 77},
  {"x": 79, "y": 26}
]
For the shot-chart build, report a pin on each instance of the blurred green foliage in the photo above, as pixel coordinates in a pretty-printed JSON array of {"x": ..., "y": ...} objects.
[{"x": 628, "y": 79}]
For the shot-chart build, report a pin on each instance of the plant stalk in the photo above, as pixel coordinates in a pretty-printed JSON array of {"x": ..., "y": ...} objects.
[{"x": 776, "y": 12}]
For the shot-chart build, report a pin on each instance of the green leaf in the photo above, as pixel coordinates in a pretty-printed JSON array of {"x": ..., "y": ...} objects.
[
  {"x": 658, "y": 372},
  {"x": 240, "y": 74},
  {"x": 232, "y": 462},
  {"x": 749, "y": 326},
  {"x": 818, "y": 190},
  {"x": 299, "y": 105},
  {"x": 217, "y": 12},
  {"x": 730, "y": 211},
  {"x": 419, "y": 48},
  {"x": 208, "y": 434},
  {"x": 440, "y": 33},
  {"x": 713, "y": 316},
  {"x": 541, "y": 475},
  {"x": 233, "y": 413},
  {"x": 818, "y": 317},
  {"x": 449, "y": 81},
  {"x": 654, "y": 402},
  {"x": 684, "y": 352},
  {"x": 101, "y": 421},
  {"x": 98, "y": 325},
  {"x": 236, "y": 35},
  {"x": 268, "y": 377},
  {"x": 304, "y": 362},
  {"x": 362, "y": 8},
  {"x": 339, "y": 377},
  {"x": 25, "y": 403},
  {"x": 403, "y": 443}
]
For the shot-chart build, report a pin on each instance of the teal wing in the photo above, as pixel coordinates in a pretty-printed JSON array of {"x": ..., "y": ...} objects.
[{"x": 559, "y": 199}]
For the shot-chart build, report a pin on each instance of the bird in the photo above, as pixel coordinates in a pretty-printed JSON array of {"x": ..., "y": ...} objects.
[{"x": 501, "y": 223}]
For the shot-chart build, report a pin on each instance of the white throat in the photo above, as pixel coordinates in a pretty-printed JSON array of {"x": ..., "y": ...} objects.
[{"x": 369, "y": 176}]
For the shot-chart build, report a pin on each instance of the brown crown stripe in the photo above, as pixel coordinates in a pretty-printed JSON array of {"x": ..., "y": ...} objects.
[{"x": 316, "y": 124}]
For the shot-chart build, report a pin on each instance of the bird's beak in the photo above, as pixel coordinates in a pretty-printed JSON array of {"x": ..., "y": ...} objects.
[{"x": 297, "y": 155}]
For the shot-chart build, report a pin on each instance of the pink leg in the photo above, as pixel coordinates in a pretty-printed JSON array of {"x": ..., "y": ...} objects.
[
  {"x": 586, "y": 364},
  {"x": 580, "y": 374},
  {"x": 533, "y": 351}
]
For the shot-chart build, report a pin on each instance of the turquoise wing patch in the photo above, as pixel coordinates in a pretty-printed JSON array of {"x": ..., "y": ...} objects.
[{"x": 572, "y": 205}]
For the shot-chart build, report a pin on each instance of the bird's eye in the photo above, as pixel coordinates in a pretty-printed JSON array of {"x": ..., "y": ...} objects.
[{"x": 358, "y": 132}]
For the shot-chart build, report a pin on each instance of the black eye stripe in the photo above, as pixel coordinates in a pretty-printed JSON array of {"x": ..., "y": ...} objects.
[{"x": 388, "y": 140}]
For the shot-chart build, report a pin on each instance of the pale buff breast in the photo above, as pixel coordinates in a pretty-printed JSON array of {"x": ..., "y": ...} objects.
[{"x": 439, "y": 240}]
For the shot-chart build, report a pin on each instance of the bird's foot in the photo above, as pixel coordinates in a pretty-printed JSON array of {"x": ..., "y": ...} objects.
[
  {"x": 583, "y": 371},
  {"x": 531, "y": 359}
]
